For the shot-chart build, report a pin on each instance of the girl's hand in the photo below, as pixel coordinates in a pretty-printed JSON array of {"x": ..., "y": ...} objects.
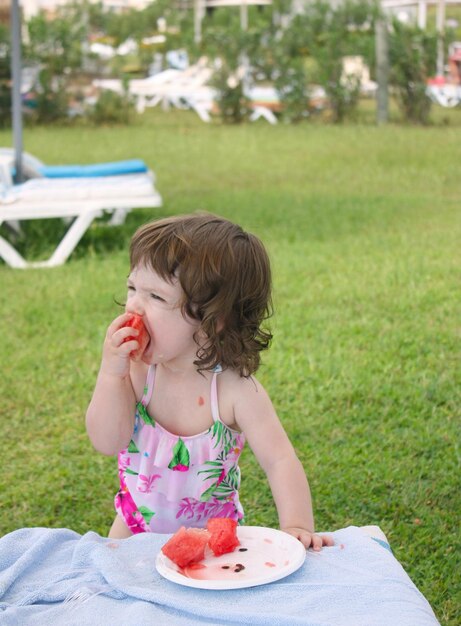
[
  {"x": 116, "y": 351},
  {"x": 309, "y": 539}
]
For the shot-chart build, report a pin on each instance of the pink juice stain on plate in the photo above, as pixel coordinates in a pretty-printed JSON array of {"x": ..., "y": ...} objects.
[{"x": 214, "y": 571}]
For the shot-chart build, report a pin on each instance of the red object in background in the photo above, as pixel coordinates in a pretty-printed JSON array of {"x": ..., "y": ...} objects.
[
  {"x": 142, "y": 338},
  {"x": 437, "y": 81},
  {"x": 223, "y": 532}
]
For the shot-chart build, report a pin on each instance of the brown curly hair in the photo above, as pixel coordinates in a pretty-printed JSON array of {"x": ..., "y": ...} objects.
[{"x": 225, "y": 276}]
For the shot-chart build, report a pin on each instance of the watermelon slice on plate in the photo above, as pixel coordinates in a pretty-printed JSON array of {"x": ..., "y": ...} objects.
[
  {"x": 142, "y": 338},
  {"x": 223, "y": 537},
  {"x": 186, "y": 546}
]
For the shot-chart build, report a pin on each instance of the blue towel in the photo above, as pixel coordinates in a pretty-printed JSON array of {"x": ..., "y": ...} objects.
[
  {"x": 60, "y": 578},
  {"x": 132, "y": 166}
]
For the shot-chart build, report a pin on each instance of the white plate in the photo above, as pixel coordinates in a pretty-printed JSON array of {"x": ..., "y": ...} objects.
[{"x": 266, "y": 555}]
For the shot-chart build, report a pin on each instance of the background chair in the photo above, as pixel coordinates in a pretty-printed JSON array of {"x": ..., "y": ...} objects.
[{"x": 79, "y": 199}]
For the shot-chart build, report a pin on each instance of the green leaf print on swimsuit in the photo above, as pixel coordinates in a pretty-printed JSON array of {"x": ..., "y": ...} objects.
[
  {"x": 146, "y": 513},
  {"x": 181, "y": 459},
  {"x": 144, "y": 415},
  {"x": 132, "y": 447},
  {"x": 223, "y": 436}
]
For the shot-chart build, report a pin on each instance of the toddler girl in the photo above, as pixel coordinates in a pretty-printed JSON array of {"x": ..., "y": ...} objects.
[{"x": 178, "y": 416}]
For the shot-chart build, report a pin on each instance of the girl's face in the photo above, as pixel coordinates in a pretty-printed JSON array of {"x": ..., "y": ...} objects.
[{"x": 158, "y": 301}]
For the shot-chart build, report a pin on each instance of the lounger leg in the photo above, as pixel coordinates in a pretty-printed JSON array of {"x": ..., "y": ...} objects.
[
  {"x": 263, "y": 112},
  {"x": 140, "y": 104},
  {"x": 202, "y": 111},
  {"x": 62, "y": 252},
  {"x": 11, "y": 256},
  {"x": 71, "y": 239},
  {"x": 15, "y": 226},
  {"x": 118, "y": 217}
]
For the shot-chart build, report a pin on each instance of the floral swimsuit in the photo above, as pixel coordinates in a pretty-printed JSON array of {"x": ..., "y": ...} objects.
[{"x": 168, "y": 481}]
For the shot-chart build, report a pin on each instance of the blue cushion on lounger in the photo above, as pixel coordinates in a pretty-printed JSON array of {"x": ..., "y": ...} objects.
[{"x": 133, "y": 166}]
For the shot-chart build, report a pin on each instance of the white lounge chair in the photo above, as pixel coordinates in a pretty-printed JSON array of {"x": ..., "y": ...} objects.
[
  {"x": 146, "y": 91},
  {"x": 79, "y": 199},
  {"x": 179, "y": 88},
  {"x": 446, "y": 94}
]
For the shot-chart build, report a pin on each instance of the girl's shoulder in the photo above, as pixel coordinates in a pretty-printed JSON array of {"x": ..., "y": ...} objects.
[
  {"x": 231, "y": 381},
  {"x": 245, "y": 402},
  {"x": 239, "y": 391}
]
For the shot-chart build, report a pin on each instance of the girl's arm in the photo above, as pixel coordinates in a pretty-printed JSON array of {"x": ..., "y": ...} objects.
[
  {"x": 110, "y": 414},
  {"x": 256, "y": 416}
]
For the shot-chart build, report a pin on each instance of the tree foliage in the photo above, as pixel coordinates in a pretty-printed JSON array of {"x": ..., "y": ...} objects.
[
  {"x": 291, "y": 50},
  {"x": 412, "y": 60},
  {"x": 56, "y": 43},
  {"x": 332, "y": 33}
]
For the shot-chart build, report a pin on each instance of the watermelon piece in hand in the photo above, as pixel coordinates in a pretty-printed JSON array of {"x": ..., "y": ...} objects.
[
  {"x": 142, "y": 338},
  {"x": 223, "y": 532},
  {"x": 186, "y": 546}
]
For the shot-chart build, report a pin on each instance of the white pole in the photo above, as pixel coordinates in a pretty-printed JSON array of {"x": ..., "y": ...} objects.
[
  {"x": 422, "y": 14},
  {"x": 440, "y": 26},
  {"x": 197, "y": 21},
  {"x": 244, "y": 15},
  {"x": 382, "y": 71}
]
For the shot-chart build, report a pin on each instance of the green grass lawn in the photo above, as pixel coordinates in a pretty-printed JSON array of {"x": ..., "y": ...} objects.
[{"x": 363, "y": 225}]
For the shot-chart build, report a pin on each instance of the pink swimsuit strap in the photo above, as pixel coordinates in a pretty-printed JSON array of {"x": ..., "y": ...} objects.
[{"x": 149, "y": 388}]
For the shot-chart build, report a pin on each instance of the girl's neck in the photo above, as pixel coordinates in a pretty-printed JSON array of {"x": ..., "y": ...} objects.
[{"x": 178, "y": 368}]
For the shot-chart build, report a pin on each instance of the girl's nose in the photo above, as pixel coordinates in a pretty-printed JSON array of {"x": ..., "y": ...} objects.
[{"x": 134, "y": 305}]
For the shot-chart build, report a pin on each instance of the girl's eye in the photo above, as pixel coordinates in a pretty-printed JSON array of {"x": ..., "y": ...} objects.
[
  {"x": 131, "y": 288},
  {"x": 154, "y": 296}
]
